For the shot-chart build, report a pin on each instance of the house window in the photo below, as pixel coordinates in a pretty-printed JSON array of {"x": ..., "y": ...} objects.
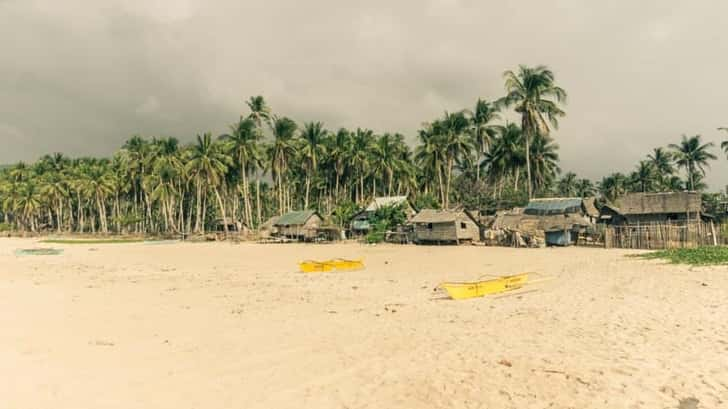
[
  {"x": 462, "y": 225},
  {"x": 429, "y": 226}
]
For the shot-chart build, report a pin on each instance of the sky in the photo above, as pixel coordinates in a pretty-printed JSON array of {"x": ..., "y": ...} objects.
[{"x": 82, "y": 76}]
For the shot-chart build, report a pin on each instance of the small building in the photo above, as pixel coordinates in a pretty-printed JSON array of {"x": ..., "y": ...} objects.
[
  {"x": 646, "y": 208},
  {"x": 551, "y": 221},
  {"x": 233, "y": 226},
  {"x": 299, "y": 225},
  {"x": 444, "y": 226},
  {"x": 360, "y": 223}
]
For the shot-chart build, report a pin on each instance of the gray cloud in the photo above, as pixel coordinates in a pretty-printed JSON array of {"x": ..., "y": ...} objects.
[{"x": 81, "y": 76}]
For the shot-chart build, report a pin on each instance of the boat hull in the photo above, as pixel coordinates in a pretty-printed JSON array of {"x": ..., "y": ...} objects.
[{"x": 462, "y": 291}]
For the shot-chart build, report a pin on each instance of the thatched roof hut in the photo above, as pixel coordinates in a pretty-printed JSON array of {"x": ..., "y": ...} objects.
[
  {"x": 301, "y": 224},
  {"x": 445, "y": 226},
  {"x": 556, "y": 221},
  {"x": 662, "y": 207}
]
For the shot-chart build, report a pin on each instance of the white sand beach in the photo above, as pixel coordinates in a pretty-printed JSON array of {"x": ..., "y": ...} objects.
[{"x": 224, "y": 325}]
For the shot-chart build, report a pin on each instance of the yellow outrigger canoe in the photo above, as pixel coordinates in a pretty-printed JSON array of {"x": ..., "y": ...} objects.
[
  {"x": 340, "y": 264},
  {"x": 462, "y": 291}
]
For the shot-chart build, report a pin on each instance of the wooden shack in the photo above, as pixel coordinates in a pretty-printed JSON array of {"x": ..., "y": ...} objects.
[
  {"x": 299, "y": 225},
  {"x": 444, "y": 226},
  {"x": 650, "y": 208}
]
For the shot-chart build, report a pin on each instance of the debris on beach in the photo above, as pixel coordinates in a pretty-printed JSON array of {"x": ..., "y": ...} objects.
[{"x": 38, "y": 252}]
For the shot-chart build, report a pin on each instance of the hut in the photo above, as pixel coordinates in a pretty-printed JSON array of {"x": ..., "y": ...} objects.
[
  {"x": 651, "y": 208},
  {"x": 552, "y": 221},
  {"x": 299, "y": 225},
  {"x": 444, "y": 226},
  {"x": 233, "y": 226},
  {"x": 562, "y": 219},
  {"x": 360, "y": 223}
]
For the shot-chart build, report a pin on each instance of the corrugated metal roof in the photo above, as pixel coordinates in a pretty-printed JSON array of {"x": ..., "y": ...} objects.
[
  {"x": 380, "y": 202},
  {"x": 295, "y": 218},
  {"x": 554, "y": 206}
]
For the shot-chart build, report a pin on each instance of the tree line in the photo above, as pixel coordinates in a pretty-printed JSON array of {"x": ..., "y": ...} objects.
[{"x": 267, "y": 164}]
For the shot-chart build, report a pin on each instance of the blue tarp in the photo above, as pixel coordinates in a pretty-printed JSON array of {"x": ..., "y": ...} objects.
[{"x": 558, "y": 238}]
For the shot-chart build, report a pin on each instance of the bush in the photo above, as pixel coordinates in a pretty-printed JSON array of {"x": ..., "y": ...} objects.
[
  {"x": 5, "y": 227},
  {"x": 385, "y": 219}
]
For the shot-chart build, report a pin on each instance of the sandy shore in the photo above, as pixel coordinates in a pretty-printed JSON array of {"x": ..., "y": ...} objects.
[{"x": 222, "y": 325}]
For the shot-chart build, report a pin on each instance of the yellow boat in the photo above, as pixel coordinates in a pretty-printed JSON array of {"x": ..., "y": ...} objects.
[
  {"x": 311, "y": 266},
  {"x": 340, "y": 264},
  {"x": 462, "y": 291},
  {"x": 344, "y": 264}
]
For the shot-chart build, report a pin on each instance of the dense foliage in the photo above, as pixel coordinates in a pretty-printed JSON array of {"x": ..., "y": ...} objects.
[{"x": 267, "y": 164}]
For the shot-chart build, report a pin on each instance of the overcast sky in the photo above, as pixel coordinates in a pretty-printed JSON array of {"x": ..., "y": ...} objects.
[{"x": 82, "y": 76}]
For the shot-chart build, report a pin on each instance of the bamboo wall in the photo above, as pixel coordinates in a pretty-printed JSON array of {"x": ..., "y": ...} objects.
[{"x": 663, "y": 235}]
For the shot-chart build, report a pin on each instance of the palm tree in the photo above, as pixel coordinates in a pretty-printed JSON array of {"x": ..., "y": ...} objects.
[
  {"x": 568, "y": 185},
  {"x": 259, "y": 110},
  {"x": 452, "y": 131},
  {"x": 338, "y": 152},
  {"x": 613, "y": 186},
  {"x": 482, "y": 130},
  {"x": 584, "y": 188},
  {"x": 242, "y": 144},
  {"x": 312, "y": 136},
  {"x": 724, "y": 144},
  {"x": 536, "y": 98},
  {"x": 208, "y": 163},
  {"x": 693, "y": 156},
  {"x": 281, "y": 152},
  {"x": 429, "y": 157},
  {"x": 645, "y": 175},
  {"x": 544, "y": 162}
]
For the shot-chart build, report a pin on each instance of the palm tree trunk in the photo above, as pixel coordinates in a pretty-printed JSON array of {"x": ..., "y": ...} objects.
[
  {"x": 528, "y": 163},
  {"x": 308, "y": 188},
  {"x": 198, "y": 203},
  {"x": 221, "y": 205},
  {"x": 257, "y": 201}
]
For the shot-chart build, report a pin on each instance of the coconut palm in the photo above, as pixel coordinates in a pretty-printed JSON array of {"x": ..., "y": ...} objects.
[
  {"x": 613, "y": 186},
  {"x": 724, "y": 144},
  {"x": 208, "y": 163},
  {"x": 536, "y": 98},
  {"x": 312, "y": 147},
  {"x": 260, "y": 112},
  {"x": 482, "y": 129},
  {"x": 584, "y": 188},
  {"x": 242, "y": 144},
  {"x": 693, "y": 156},
  {"x": 645, "y": 175},
  {"x": 568, "y": 185},
  {"x": 452, "y": 134},
  {"x": 282, "y": 151}
]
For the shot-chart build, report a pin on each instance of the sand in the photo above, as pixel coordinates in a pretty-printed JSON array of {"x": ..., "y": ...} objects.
[{"x": 222, "y": 325}]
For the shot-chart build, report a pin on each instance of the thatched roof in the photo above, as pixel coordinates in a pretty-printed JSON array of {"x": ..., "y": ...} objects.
[
  {"x": 532, "y": 223},
  {"x": 379, "y": 202},
  {"x": 295, "y": 218},
  {"x": 440, "y": 216},
  {"x": 657, "y": 203},
  {"x": 590, "y": 207}
]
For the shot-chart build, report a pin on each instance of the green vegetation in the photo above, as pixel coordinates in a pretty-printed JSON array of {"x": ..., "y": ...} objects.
[
  {"x": 384, "y": 219},
  {"x": 268, "y": 164},
  {"x": 701, "y": 256}
]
